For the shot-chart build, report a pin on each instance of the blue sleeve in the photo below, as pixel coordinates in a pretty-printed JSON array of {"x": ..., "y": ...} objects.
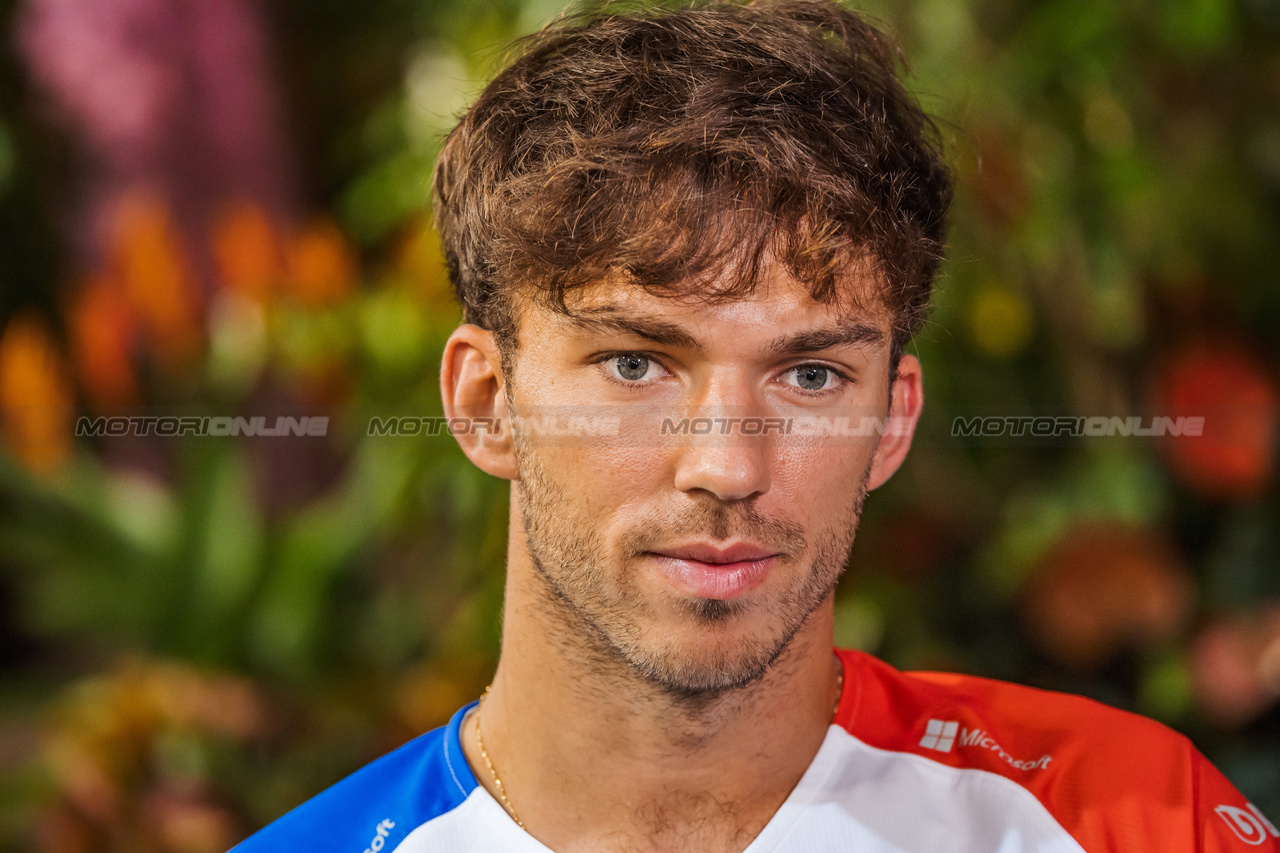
[{"x": 386, "y": 800}]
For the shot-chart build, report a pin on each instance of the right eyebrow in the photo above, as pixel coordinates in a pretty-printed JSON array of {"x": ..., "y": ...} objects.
[{"x": 650, "y": 328}]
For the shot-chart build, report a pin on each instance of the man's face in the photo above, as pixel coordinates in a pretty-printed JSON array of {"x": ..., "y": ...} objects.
[{"x": 694, "y": 558}]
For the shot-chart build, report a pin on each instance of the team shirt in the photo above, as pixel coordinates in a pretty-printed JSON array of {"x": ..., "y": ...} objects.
[{"x": 914, "y": 762}]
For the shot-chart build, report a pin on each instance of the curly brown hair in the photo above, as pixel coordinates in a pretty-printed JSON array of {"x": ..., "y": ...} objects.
[{"x": 683, "y": 148}]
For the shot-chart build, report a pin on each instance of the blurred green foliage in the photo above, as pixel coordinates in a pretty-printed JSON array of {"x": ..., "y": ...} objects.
[{"x": 204, "y": 633}]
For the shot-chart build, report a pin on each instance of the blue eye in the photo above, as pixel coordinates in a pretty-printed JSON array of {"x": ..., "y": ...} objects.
[
  {"x": 632, "y": 367},
  {"x": 811, "y": 377}
]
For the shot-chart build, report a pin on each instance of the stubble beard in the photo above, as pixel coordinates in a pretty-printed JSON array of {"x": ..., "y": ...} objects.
[{"x": 590, "y": 611}]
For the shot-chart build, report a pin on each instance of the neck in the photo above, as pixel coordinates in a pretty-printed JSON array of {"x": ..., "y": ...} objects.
[{"x": 594, "y": 757}]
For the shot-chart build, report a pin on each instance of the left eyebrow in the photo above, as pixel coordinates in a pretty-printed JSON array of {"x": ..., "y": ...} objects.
[{"x": 850, "y": 334}]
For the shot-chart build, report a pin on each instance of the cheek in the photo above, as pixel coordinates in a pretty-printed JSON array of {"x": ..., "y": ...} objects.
[
  {"x": 820, "y": 480},
  {"x": 603, "y": 476}
]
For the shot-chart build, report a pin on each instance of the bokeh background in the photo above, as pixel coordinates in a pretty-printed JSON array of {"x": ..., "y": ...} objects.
[{"x": 221, "y": 208}]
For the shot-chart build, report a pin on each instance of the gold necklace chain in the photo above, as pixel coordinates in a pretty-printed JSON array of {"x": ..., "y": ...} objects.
[
  {"x": 502, "y": 790},
  {"x": 839, "y": 687},
  {"x": 497, "y": 782}
]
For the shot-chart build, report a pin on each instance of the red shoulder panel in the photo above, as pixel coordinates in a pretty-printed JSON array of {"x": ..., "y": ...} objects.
[{"x": 1118, "y": 782}]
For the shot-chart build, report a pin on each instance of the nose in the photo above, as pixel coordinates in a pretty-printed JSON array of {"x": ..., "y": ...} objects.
[{"x": 726, "y": 460}]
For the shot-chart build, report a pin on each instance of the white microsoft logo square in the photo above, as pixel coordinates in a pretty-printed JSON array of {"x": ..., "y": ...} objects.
[{"x": 940, "y": 735}]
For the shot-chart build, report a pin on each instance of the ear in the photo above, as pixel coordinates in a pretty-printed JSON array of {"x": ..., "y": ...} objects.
[
  {"x": 904, "y": 412},
  {"x": 475, "y": 401}
]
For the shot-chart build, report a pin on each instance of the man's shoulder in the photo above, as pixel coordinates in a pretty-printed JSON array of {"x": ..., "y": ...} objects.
[
  {"x": 951, "y": 713},
  {"x": 1104, "y": 774},
  {"x": 381, "y": 803}
]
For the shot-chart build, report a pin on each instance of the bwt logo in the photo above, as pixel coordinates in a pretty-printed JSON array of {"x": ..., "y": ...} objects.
[{"x": 1249, "y": 825}]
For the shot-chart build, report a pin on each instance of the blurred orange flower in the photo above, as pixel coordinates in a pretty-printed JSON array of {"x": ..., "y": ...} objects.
[
  {"x": 247, "y": 251},
  {"x": 420, "y": 260},
  {"x": 1232, "y": 390},
  {"x": 1104, "y": 586},
  {"x": 184, "y": 821},
  {"x": 1235, "y": 667},
  {"x": 102, "y": 328},
  {"x": 118, "y": 789},
  {"x": 321, "y": 265},
  {"x": 156, "y": 276},
  {"x": 35, "y": 395}
]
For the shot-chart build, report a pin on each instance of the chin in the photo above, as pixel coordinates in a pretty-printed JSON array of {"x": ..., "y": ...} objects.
[{"x": 716, "y": 654}]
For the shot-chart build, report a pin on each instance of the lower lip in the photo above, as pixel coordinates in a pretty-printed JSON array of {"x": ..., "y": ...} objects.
[{"x": 714, "y": 580}]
